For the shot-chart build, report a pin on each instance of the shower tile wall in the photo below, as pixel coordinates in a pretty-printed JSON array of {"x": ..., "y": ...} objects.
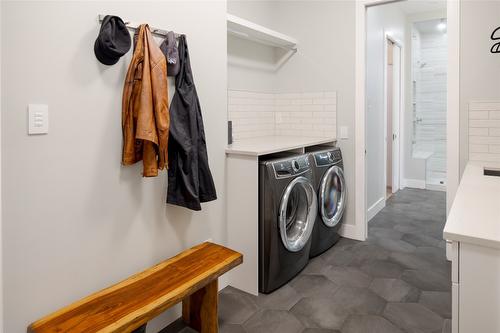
[
  {"x": 430, "y": 115},
  {"x": 254, "y": 114},
  {"x": 484, "y": 131}
]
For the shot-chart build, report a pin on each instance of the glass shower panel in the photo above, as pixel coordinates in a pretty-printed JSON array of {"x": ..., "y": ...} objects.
[{"x": 429, "y": 65}]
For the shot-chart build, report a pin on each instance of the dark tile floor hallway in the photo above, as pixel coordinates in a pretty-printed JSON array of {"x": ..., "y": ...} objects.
[{"x": 396, "y": 281}]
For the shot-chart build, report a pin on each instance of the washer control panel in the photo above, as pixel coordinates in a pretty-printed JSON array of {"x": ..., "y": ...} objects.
[
  {"x": 328, "y": 157},
  {"x": 291, "y": 167}
]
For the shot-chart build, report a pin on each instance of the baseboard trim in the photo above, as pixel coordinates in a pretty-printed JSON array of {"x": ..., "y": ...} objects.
[
  {"x": 436, "y": 187},
  {"x": 350, "y": 231},
  {"x": 414, "y": 183},
  {"x": 375, "y": 208}
]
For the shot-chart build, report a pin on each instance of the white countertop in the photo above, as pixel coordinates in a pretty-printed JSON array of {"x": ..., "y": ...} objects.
[
  {"x": 273, "y": 144},
  {"x": 475, "y": 214}
]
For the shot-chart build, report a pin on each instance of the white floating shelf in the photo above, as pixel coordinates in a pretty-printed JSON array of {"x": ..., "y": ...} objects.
[{"x": 245, "y": 29}]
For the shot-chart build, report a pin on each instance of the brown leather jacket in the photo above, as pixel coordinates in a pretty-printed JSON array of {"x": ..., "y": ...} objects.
[{"x": 145, "y": 116}]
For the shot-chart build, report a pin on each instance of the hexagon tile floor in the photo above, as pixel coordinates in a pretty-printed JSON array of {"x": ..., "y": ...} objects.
[{"x": 396, "y": 281}]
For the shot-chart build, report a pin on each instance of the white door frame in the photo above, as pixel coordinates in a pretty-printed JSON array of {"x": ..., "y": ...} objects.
[
  {"x": 452, "y": 118},
  {"x": 399, "y": 44}
]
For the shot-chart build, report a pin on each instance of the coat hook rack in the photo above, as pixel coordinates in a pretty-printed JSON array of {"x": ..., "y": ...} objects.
[{"x": 134, "y": 26}]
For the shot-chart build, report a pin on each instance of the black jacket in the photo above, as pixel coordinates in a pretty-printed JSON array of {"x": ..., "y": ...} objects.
[{"x": 189, "y": 178}]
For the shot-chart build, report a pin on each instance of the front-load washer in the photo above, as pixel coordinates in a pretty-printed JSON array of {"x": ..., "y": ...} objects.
[
  {"x": 287, "y": 212},
  {"x": 328, "y": 170}
]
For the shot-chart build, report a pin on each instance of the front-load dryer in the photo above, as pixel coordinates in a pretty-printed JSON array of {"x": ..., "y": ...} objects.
[
  {"x": 328, "y": 170},
  {"x": 287, "y": 212}
]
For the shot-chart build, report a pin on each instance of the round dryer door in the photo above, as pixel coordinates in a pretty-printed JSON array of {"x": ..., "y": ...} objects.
[
  {"x": 297, "y": 214},
  {"x": 332, "y": 196}
]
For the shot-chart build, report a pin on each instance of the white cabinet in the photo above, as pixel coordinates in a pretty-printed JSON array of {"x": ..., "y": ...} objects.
[
  {"x": 473, "y": 227},
  {"x": 475, "y": 288}
]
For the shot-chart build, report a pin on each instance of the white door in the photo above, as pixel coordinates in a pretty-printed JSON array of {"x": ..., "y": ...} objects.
[{"x": 396, "y": 110}]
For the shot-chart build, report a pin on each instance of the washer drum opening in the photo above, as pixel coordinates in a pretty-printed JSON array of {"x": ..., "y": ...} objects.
[
  {"x": 332, "y": 196},
  {"x": 297, "y": 214}
]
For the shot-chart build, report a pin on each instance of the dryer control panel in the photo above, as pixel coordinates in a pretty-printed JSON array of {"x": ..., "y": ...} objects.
[
  {"x": 291, "y": 167},
  {"x": 328, "y": 157}
]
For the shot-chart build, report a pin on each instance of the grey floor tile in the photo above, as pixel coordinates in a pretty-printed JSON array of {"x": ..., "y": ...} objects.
[
  {"x": 420, "y": 239},
  {"x": 382, "y": 268},
  {"x": 314, "y": 286},
  {"x": 413, "y": 317},
  {"x": 437, "y": 301},
  {"x": 404, "y": 228},
  {"x": 281, "y": 299},
  {"x": 432, "y": 254},
  {"x": 410, "y": 260},
  {"x": 235, "y": 308},
  {"x": 177, "y": 326},
  {"x": 319, "y": 330},
  {"x": 315, "y": 266},
  {"x": 368, "y": 253},
  {"x": 385, "y": 232},
  {"x": 276, "y": 321},
  {"x": 320, "y": 313},
  {"x": 359, "y": 300},
  {"x": 396, "y": 281},
  {"x": 337, "y": 257},
  {"x": 347, "y": 244},
  {"x": 396, "y": 245},
  {"x": 231, "y": 328},
  {"x": 427, "y": 280},
  {"x": 368, "y": 324},
  {"x": 394, "y": 290},
  {"x": 348, "y": 276}
]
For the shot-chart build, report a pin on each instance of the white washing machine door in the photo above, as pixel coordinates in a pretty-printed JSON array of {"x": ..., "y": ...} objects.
[
  {"x": 297, "y": 213},
  {"x": 332, "y": 196}
]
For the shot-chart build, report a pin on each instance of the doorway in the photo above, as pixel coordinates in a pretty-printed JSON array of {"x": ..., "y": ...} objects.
[{"x": 393, "y": 93}]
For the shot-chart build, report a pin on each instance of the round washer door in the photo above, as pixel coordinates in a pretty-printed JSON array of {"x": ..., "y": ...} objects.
[
  {"x": 297, "y": 213},
  {"x": 332, "y": 196}
]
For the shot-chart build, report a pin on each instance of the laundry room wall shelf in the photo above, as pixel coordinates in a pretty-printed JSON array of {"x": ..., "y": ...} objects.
[
  {"x": 242, "y": 193},
  {"x": 245, "y": 29}
]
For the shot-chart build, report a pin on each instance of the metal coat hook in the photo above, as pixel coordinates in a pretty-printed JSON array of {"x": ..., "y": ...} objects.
[{"x": 134, "y": 26}]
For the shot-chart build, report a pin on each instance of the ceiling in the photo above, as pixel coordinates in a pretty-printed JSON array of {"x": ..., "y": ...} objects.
[{"x": 411, "y": 7}]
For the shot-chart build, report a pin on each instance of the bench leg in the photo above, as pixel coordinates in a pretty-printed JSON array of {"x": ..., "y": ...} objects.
[
  {"x": 199, "y": 310},
  {"x": 141, "y": 329}
]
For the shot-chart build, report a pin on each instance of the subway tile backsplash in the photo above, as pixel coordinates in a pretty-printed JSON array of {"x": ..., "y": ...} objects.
[
  {"x": 256, "y": 114},
  {"x": 484, "y": 131}
]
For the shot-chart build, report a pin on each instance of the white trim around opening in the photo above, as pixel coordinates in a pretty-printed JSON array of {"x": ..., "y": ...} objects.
[{"x": 453, "y": 103}]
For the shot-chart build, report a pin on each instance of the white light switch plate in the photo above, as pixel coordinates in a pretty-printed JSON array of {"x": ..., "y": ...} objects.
[
  {"x": 344, "y": 132},
  {"x": 38, "y": 119}
]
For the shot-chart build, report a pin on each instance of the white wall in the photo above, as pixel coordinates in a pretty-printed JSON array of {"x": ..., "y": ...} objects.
[
  {"x": 324, "y": 61},
  {"x": 1, "y": 228},
  {"x": 74, "y": 220},
  {"x": 479, "y": 69},
  {"x": 255, "y": 75},
  {"x": 380, "y": 20}
]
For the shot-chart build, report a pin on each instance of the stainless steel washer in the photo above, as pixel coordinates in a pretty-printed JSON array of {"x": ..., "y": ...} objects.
[
  {"x": 329, "y": 181},
  {"x": 287, "y": 213}
]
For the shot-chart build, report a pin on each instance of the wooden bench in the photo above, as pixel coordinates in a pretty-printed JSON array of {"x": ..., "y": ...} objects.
[{"x": 190, "y": 277}]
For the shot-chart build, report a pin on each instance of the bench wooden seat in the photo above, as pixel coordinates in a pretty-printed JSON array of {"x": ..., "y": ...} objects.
[{"x": 191, "y": 277}]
